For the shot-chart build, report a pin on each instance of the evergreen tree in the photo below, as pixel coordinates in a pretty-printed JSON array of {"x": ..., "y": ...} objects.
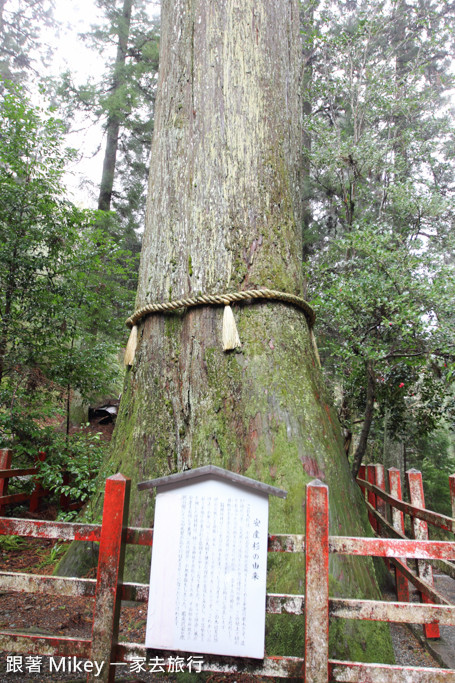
[
  {"x": 122, "y": 101},
  {"x": 62, "y": 282},
  {"x": 382, "y": 198},
  {"x": 224, "y": 214}
]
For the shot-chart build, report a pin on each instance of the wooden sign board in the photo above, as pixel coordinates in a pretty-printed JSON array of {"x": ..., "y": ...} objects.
[{"x": 209, "y": 567}]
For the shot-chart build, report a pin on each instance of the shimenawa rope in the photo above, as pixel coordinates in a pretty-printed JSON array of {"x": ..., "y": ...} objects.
[{"x": 231, "y": 338}]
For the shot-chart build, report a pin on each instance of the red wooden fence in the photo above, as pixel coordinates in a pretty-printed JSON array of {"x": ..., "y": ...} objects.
[
  {"x": 316, "y": 606},
  {"x": 6, "y": 473},
  {"x": 382, "y": 506}
]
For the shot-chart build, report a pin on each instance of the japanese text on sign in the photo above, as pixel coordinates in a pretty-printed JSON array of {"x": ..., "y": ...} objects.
[{"x": 207, "y": 586}]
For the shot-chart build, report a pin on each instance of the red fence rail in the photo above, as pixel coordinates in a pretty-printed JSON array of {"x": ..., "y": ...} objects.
[
  {"x": 383, "y": 506},
  {"x": 7, "y": 473},
  {"x": 316, "y": 605}
]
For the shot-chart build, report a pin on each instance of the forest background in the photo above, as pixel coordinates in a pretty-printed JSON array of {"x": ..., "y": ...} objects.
[{"x": 377, "y": 90}]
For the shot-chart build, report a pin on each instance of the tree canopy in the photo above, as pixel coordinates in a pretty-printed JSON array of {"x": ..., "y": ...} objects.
[{"x": 381, "y": 191}]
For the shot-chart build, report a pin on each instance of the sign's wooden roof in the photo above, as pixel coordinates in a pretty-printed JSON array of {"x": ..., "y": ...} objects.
[{"x": 210, "y": 472}]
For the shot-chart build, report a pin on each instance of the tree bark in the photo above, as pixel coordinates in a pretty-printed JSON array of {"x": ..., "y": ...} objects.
[
  {"x": 306, "y": 22},
  {"x": 113, "y": 121},
  {"x": 224, "y": 214}
]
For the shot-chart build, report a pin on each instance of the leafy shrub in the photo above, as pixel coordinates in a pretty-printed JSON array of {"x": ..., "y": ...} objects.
[{"x": 80, "y": 456}]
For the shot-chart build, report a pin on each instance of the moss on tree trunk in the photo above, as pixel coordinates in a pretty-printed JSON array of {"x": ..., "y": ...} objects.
[{"x": 225, "y": 214}]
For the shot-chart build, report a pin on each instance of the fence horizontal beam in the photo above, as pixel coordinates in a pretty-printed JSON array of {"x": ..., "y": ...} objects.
[
  {"x": 280, "y": 667},
  {"x": 14, "y": 498},
  {"x": 291, "y": 667},
  {"x": 69, "y": 587},
  {"x": 398, "y": 612},
  {"x": 354, "y": 672},
  {"x": 434, "y": 518},
  {"x": 47, "y": 585},
  {"x": 67, "y": 531},
  {"x": 6, "y": 474},
  {"x": 277, "y": 603},
  {"x": 372, "y": 610},
  {"x": 286, "y": 543},
  {"x": 37, "y": 644},
  {"x": 343, "y": 545},
  {"x": 444, "y": 566},
  {"x": 379, "y": 547},
  {"x": 392, "y": 547}
]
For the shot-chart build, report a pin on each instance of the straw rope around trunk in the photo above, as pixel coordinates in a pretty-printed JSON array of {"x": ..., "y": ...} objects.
[{"x": 230, "y": 335}]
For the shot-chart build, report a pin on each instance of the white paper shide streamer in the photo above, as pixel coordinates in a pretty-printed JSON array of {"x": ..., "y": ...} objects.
[
  {"x": 231, "y": 339},
  {"x": 130, "y": 351}
]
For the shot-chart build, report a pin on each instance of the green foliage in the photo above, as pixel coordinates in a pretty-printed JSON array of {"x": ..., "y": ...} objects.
[
  {"x": 9, "y": 543},
  {"x": 59, "y": 273},
  {"x": 64, "y": 287},
  {"x": 24, "y": 411},
  {"x": 80, "y": 456},
  {"x": 433, "y": 456},
  {"x": 23, "y": 428},
  {"x": 380, "y": 304},
  {"x": 52, "y": 557},
  {"x": 381, "y": 197}
]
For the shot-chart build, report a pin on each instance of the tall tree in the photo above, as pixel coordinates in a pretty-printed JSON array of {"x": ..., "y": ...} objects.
[
  {"x": 382, "y": 173},
  {"x": 224, "y": 214},
  {"x": 122, "y": 102},
  {"x": 123, "y": 23}
]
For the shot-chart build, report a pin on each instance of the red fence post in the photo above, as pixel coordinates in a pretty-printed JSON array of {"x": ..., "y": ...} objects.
[
  {"x": 371, "y": 477},
  {"x": 380, "y": 503},
  {"x": 401, "y": 581},
  {"x": 380, "y": 483},
  {"x": 452, "y": 492},
  {"x": 420, "y": 528},
  {"x": 362, "y": 475},
  {"x": 6, "y": 455},
  {"x": 317, "y": 583},
  {"x": 110, "y": 567}
]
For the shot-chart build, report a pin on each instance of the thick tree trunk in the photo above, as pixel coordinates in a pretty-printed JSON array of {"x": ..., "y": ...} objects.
[
  {"x": 306, "y": 22},
  {"x": 224, "y": 214}
]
